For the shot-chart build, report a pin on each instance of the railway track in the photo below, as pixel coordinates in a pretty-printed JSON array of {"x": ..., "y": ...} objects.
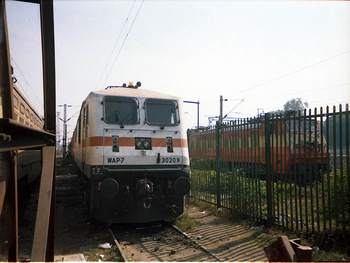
[{"x": 160, "y": 242}]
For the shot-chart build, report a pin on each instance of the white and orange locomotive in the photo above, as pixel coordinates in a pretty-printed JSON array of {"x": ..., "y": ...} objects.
[{"x": 131, "y": 147}]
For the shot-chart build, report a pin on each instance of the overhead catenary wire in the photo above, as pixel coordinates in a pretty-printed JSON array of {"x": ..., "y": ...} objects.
[
  {"x": 290, "y": 73},
  {"x": 213, "y": 104},
  {"x": 242, "y": 100},
  {"x": 282, "y": 76},
  {"x": 23, "y": 90},
  {"x": 115, "y": 45},
  {"x": 126, "y": 36},
  {"x": 71, "y": 116}
]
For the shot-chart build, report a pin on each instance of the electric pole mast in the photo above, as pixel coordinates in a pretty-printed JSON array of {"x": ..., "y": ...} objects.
[
  {"x": 195, "y": 102},
  {"x": 220, "y": 118},
  {"x": 65, "y": 131}
]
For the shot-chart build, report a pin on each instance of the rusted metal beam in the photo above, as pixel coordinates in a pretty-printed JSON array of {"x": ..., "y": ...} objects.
[
  {"x": 22, "y": 136},
  {"x": 48, "y": 54},
  {"x": 12, "y": 210},
  {"x": 281, "y": 250},
  {"x": 6, "y": 110},
  {"x": 284, "y": 250},
  {"x": 4, "y": 174},
  {"x": 303, "y": 253},
  {"x": 16, "y": 137},
  {"x": 49, "y": 81},
  {"x": 2, "y": 194},
  {"x": 50, "y": 256},
  {"x": 45, "y": 212}
]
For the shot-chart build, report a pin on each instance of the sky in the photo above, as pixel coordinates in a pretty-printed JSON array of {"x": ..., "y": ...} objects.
[{"x": 256, "y": 54}]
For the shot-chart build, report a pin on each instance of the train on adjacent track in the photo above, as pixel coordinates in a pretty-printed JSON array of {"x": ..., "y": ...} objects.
[
  {"x": 130, "y": 147},
  {"x": 297, "y": 148},
  {"x": 28, "y": 161}
]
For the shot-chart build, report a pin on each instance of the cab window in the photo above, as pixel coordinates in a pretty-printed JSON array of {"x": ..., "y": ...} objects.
[
  {"x": 162, "y": 112},
  {"x": 119, "y": 110}
]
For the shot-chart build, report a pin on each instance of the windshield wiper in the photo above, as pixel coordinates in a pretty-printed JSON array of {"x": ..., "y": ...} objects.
[{"x": 117, "y": 116}]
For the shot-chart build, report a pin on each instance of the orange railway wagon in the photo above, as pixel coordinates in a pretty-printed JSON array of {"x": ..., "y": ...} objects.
[{"x": 295, "y": 146}]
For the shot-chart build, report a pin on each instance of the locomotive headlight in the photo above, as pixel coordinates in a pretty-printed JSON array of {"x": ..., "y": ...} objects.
[
  {"x": 146, "y": 144},
  {"x": 142, "y": 143},
  {"x": 138, "y": 144}
]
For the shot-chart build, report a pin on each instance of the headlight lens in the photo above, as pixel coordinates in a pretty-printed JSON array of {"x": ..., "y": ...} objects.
[
  {"x": 146, "y": 144},
  {"x": 138, "y": 144},
  {"x": 142, "y": 143}
]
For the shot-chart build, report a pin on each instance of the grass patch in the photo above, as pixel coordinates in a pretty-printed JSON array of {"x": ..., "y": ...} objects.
[
  {"x": 329, "y": 256},
  {"x": 96, "y": 254},
  {"x": 185, "y": 222},
  {"x": 210, "y": 209}
]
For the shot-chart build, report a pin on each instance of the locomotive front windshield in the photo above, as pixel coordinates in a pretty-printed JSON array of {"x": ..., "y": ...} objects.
[
  {"x": 162, "y": 112},
  {"x": 120, "y": 110}
]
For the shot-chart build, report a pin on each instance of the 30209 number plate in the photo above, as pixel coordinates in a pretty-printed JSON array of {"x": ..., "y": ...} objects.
[{"x": 170, "y": 160}]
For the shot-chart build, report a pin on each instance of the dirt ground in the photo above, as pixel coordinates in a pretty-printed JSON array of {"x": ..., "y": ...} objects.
[
  {"x": 225, "y": 240},
  {"x": 229, "y": 241},
  {"x": 76, "y": 233}
]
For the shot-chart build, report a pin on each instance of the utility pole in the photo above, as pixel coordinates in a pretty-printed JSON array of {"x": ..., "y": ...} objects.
[
  {"x": 58, "y": 130},
  {"x": 221, "y": 118},
  {"x": 65, "y": 131},
  {"x": 195, "y": 102}
]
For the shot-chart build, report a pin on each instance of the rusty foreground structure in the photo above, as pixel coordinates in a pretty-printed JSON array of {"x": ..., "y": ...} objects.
[
  {"x": 15, "y": 136},
  {"x": 285, "y": 250}
]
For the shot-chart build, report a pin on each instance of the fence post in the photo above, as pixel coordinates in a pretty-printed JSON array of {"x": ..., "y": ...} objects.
[
  {"x": 217, "y": 139},
  {"x": 268, "y": 169},
  {"x": 188, "y": 150}
]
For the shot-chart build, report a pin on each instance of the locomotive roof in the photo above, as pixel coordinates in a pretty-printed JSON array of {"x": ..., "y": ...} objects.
[{"x": 133, "y": 92}]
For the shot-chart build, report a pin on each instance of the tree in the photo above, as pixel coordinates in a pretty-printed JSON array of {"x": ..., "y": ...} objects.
[
  {"x": 295, "y": 105},
  {"x": 292, "y": 105}
]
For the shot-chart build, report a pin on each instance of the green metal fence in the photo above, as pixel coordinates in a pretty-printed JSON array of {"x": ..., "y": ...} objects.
[{"x": 288, "y": 169}]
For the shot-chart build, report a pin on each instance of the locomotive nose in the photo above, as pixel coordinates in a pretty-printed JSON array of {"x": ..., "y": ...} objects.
[{"x": 182, "y": 185}]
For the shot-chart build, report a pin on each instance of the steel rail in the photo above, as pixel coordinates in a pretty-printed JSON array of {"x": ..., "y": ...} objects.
[
  {"x": 195, "y": 242},
  {"x": 118, "y": 245}
]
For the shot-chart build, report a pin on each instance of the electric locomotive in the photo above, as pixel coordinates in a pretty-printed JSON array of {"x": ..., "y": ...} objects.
[
  {"x": 131, "y": 148},
  {"x": 28, "y": 161}
]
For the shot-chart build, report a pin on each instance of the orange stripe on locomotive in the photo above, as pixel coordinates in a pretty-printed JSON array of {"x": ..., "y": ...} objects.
[{"x": 130, "y": 142}]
